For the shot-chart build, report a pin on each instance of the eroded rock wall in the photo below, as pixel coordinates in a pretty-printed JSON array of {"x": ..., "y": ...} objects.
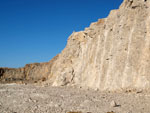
[
  {"x": 112, "y": 54},
  {"x": 31, "y": 73}
]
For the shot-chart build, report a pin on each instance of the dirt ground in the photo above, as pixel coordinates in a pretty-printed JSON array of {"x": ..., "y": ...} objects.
[{"x": 15, "y": 98}]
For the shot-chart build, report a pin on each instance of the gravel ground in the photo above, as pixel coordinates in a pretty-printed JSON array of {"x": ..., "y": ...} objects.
[{"x": 15, "y": 98}]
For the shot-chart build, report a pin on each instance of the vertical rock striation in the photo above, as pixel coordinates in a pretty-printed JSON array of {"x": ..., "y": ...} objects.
[{"x": 112, "y": 54}]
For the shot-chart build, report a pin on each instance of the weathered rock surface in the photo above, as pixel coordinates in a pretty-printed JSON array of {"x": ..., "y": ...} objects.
[
  {"x": 112, "y": 54},
  {"x": 31, "y": 73}
]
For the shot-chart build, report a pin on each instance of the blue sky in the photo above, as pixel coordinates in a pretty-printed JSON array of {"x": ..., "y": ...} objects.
[{"x": 36, "y": 30}]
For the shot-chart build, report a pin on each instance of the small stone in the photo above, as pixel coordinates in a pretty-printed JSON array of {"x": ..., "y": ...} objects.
[
  {"x": 113, "y": 104},
  {"x": 80, "y": 87},
  {"x": 35, "y": 101},
  {"x": 56, "y": 105},
  {"x": 96, "y": 89},
  {"x": 140, "y": 91}
]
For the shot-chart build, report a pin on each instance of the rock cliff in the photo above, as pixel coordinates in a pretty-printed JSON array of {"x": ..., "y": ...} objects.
[
  {"x": 112, "y": 54},
  {"x": 31, "y": 73}
]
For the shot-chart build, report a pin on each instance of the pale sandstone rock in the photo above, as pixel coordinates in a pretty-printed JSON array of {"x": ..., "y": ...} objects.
[{"x": 112, "y": 54}]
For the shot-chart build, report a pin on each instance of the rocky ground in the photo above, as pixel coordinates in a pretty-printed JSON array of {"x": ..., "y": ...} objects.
[{"x": 16, "y": 98}]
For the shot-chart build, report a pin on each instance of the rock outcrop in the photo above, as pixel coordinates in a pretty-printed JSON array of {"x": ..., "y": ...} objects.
[
  {"x": 31, "y": 73},
  {"x": 112, "y": 54}
]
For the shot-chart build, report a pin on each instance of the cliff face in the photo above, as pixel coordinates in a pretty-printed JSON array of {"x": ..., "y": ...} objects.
[
  {"x": 112, "y": 54},
  {"x": 31, "y": 73}
]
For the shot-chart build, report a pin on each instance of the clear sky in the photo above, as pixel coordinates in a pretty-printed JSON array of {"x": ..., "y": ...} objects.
[{"x": 36, "y": 30}]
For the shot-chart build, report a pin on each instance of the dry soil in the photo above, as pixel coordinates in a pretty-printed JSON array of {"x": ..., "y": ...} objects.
[{"x": 16, "y": 98}]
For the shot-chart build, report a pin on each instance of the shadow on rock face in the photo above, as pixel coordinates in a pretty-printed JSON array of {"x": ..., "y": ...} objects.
[{"x": 1, "y": 72}]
